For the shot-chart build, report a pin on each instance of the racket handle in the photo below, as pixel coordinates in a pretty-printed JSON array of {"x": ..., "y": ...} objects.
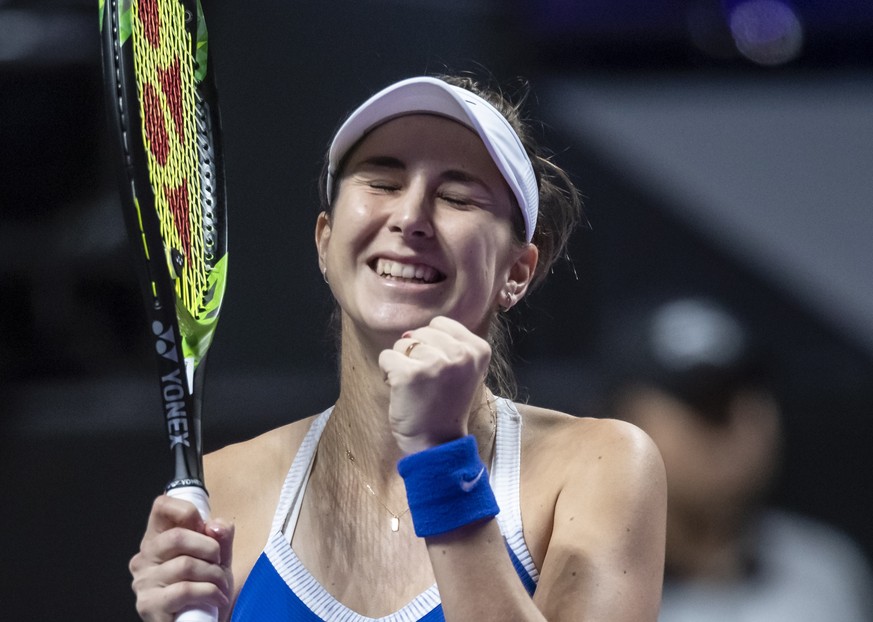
[
  {"x": 197, "y": 496},
  {"x": 192, "y": 494}
]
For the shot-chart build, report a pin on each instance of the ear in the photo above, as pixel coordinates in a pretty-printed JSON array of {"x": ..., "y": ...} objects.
[
  {"x": 521, "y": 273},
  {"x": 322, "y": 237}
]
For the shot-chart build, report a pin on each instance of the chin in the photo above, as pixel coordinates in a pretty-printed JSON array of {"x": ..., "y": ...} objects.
[
  {"x": 392, "y": 323},
  {"x": 389, "y": 321}
]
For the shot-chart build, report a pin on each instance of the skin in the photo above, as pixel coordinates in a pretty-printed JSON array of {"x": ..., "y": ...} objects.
[{"x": 422, "y": 190}]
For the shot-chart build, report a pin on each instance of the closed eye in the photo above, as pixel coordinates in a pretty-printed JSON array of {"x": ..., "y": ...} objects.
[
  {"x": 456, "y": 200},
  {"x": 383, "y": 186}
]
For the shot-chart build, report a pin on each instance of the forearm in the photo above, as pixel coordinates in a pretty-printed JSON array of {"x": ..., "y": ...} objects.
[
  {"x": 453, "y": 508},
  {"x": 476, "y": 578}
]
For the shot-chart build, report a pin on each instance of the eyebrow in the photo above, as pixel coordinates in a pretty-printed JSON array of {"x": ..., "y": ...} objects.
[
  {"x": 382, "y": 162},
  {"x": 463, "y": 177}
]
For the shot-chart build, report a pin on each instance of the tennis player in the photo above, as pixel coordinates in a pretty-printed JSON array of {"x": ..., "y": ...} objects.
[{"x": 424, "y": 492}]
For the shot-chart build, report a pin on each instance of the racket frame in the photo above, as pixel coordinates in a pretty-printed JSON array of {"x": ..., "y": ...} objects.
[{"x": 181, "y": 377}]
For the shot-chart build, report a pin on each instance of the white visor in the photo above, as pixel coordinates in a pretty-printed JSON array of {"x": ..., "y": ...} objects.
[{"x": 430, "y": 95}]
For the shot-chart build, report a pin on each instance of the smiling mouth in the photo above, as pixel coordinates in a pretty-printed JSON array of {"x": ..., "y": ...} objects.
[{"x": 415, "y": 273}]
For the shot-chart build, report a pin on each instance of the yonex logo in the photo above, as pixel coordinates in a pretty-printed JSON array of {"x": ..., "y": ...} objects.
[
  {"x": 165, "y": 345},
  {"x": 172, "y": 389},
  {"x": 174, "y": 406}
]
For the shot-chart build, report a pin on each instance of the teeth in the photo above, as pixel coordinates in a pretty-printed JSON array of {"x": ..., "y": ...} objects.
[{"x": 419, "y": 272}]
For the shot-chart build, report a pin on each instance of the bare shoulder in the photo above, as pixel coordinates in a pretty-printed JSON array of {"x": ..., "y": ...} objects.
[
  {"x": 240, "y": 473},
  {"x": 594, "y": 499},
  {"x": 245, "y": 481},
  {"x": 585, "y": 439},
  {"x": 585, "y": 459}
]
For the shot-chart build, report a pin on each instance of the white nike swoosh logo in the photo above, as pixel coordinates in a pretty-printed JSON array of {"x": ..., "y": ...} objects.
[{"x": 468, "y": 486}]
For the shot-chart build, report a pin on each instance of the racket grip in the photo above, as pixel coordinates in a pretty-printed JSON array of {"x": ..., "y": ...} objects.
[
  {"x": 192, "y": 494},
  {"x": 197, "y": 496}
]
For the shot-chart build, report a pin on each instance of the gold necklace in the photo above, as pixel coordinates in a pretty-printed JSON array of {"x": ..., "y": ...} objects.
[{"x": 395, "y": 516}]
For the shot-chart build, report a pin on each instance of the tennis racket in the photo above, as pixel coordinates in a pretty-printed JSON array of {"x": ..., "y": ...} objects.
[{"x": 163, "y": 106}]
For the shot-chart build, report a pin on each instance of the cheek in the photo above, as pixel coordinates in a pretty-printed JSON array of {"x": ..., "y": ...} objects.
[
  {"x": 478, "y": 259},
  {"x": 353, "y": 222},
  {"x": 360, "y": 208}
]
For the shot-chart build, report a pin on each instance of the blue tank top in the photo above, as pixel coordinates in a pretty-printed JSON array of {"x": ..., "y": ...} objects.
[{"x": 280, "y": 588}]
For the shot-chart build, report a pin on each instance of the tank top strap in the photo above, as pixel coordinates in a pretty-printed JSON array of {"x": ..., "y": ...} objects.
[
  {"x": 291, "y": 497},
  {"x": 506, "y": 482}
]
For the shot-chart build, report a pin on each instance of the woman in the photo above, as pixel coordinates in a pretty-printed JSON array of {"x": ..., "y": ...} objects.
[{"x": 438, "y": 215}]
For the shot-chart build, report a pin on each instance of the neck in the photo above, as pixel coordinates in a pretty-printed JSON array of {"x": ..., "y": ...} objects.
[
  {"x": 359, "y": 423},
  {"x": 357, "y": 454},
  {"x": 361, "y": 414}
]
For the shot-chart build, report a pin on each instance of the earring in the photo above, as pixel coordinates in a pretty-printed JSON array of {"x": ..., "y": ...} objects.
[
  {"x": 324, "y": 276},
  {"x": 510, "y": 301}
]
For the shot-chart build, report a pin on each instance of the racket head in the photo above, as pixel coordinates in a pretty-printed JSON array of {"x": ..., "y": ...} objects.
[{"x": 164, "y": 108}]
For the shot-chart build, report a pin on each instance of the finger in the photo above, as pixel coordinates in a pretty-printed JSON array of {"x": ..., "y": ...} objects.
[
  {"x": 440, "y": 330},
  {"x": 426, "y": 336},
  {"x": 168, "y": 513},
  {"x": 223, "y": 533},
  {"x": 402, "y": 356},
  {"x": 455, "y": 329},
  {"x": 178, "y": 596},
  {"x": 182, "y": 569},
  {"x": 177, "y": 541},
  {"x": 395, "y": 365},
  {"x": 192, "y": 570},
  {"x": 407, "y": 346},
  {"x": 449, "y": 326},
  {"x": 439, "y": 344}
]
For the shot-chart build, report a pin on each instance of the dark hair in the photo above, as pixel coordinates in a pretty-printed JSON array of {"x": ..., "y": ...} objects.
[
  {"x": 560, "y": 211},
  {"x": 694, "y": 348}
]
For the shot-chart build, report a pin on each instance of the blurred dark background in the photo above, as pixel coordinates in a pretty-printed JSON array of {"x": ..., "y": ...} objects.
[{"x": 724, "y": 148}]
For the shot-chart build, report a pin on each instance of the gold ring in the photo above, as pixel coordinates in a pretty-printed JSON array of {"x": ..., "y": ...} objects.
[{"x": 411, "y": 347}]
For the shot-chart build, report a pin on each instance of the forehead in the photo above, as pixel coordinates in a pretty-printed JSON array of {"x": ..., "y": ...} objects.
[
  {"x": 428, "y": 137},
  {"x": 445, "y": 148}
]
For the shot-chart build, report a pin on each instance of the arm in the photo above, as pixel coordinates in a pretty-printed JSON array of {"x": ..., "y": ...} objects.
[
  {"x": 471, "y": 565},
  {"x": 605, "y": 495},
  {"x": 183, "y": 560},
  {"x": 605, "y": 556},
  {"x": 476, "y": 578}
]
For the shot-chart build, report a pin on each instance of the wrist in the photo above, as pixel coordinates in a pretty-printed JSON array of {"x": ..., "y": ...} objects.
[
  {"x": 447, "y": 487},
  {"x": 422, "y": 441}
]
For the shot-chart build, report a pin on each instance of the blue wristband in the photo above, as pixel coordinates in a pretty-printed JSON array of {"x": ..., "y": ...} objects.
[{"x": 447, "y": 487}]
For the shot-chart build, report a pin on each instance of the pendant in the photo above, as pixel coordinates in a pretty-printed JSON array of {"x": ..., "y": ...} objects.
[{"x": 395, "y": 523}]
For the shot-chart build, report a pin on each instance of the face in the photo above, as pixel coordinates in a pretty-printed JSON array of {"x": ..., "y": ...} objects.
[
  {"x": 422, "y": 226},
  {"x": 713, "y": 467}
]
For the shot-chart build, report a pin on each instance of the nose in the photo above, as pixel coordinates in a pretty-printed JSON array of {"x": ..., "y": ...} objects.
[{"x": 412, "y": 213}]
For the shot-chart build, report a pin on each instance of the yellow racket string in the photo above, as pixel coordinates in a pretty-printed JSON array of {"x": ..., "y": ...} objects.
[{"x": 165, "y": 72}]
